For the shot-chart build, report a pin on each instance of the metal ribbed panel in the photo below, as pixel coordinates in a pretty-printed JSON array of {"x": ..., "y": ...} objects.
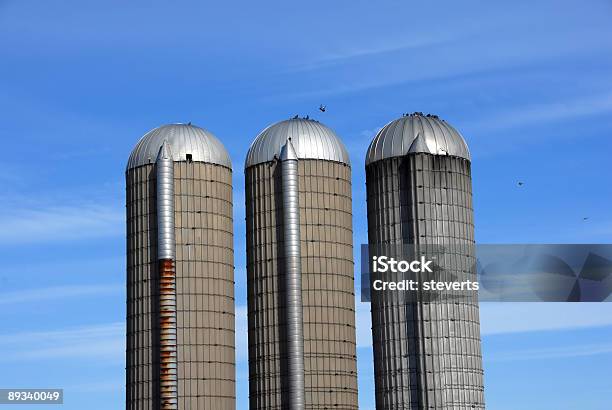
[
  {"x": 327, "y": 286},
  {"x": 293, "y": 272},
  {"x": 204, "y": 288},
  {"x": 417, "y": 133},
  {"x": 310, "y": 139},
  {"x": 184, "y": 139},
  {"x": 426, "y": 353},
  {"x": 205, "y": 283}
]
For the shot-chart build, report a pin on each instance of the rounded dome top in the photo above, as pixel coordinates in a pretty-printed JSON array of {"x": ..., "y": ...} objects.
[
  {"x": 417, "y": 133},
  {"x": 310, "y": 139},
  {"x": 184, "y": 139}
]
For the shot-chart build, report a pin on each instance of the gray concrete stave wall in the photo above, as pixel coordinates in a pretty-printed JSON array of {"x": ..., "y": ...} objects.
[
  {"x": 426, "y": 353},
  {"x": 205, "y": 287},
  {"x": 327, "y": 286}
]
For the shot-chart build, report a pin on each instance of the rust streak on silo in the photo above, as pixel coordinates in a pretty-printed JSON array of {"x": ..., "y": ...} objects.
[
  {"x": 180, "y": 276},
  {"x": 167, "y": 324}
]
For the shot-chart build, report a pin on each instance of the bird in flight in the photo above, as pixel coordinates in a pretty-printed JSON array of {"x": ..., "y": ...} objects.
[
  {"x": 520, "y": 183},
  {"x": 585, "y": 218},
  {"x": 322, "y": 108}
]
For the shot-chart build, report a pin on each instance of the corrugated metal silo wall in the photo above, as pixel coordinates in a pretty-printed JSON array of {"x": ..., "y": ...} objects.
[
  {"x": 205, "y": 287},
  {"x": 327, "y": 286},
  {"x": 426, "y": 353}
]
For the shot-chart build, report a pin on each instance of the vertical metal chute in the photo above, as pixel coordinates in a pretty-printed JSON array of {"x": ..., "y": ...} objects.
[
  {"x": 293, "y": 272},
  {"x": 167, "y": 279},
  {"x": 165, "y": 203}
]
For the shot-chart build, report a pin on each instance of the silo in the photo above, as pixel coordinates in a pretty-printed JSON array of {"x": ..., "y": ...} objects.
[
  {"x": 180, "y": 273},
  {"x": 301, "y": 304},
  {"x": 419, "y": 193}
]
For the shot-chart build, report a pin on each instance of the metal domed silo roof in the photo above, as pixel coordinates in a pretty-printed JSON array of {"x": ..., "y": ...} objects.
[
  {"x": 417, "y": 133},
  {"x": 310, "y": 139},
  {"x": 184, "y": 139}
]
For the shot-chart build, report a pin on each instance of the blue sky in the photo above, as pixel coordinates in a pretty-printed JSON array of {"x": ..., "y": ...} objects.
[{"x": 529, "y": 84}]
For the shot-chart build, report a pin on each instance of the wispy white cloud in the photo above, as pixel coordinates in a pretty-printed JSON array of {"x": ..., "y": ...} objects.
[
  {"x": 378, "y": 49},
  {"x": 111, "y": 266},
  {"x": 546, "y": 113},
  {"x": 62, "y": 222},
  {"x": 98, "y": 342},
  {"x": 504, "y": 318},
  {"x": 58, "y": 292},
  {"x": 503, "y": 43},
  {"x": 551, "y": 352}
]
